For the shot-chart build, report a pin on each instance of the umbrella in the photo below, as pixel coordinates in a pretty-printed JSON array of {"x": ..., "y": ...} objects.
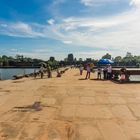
[{"x": 105, "y": 61}]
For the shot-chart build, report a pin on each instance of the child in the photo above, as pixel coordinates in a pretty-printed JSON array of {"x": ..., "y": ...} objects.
[{"x": 99, "y": 73}]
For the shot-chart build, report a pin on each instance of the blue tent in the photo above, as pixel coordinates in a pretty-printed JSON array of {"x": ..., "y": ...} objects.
[{"x": 105, "y": 61}]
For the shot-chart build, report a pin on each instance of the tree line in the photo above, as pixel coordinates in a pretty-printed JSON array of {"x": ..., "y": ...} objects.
[
  {"x": 127, "y": 60},
  {"x": 20, "y": 60}
]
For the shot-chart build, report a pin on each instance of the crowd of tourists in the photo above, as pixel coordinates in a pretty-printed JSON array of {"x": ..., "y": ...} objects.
[
  {"x": 107, "y": 72},
  {"x": 102, "y": 72},
  {"x": 47, "y": 70}
]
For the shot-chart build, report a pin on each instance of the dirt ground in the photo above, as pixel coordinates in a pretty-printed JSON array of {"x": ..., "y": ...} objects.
[{"x": 69, "y": 108}]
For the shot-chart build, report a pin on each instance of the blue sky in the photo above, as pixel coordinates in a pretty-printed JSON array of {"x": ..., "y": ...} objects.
[{"x": 86, "y": 28}]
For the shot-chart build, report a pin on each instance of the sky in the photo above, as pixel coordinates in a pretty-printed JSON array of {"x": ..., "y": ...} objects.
[{"x": 86, "y": 28}]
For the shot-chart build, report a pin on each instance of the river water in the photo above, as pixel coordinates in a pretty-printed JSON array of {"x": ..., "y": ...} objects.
[{"x": 9, "y": 72}]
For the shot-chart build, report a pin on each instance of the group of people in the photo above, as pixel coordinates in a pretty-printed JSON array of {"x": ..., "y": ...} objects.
[
  {"x": 88, "y": 68},
  {"x": 43, "y": 70},
  {"x": 107, "y": 71}
]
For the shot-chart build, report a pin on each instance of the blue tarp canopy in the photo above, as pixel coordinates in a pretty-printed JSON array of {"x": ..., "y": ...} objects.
[{"x": 105, "y": 61}]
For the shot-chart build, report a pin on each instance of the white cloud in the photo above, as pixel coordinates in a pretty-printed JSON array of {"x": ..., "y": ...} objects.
[
  {"x": 56, "y": 2},
  {"x": 115, "y": 34},
  {"x": 43, "y": 51},
  {"x": 51, "y": 21},
  {"x": 87, "y": 2},
  {"x": 135, "y": 3},
  {"x": 97, "y": 2},
  {"x": 14, "y": 50},
  {"x": 23, "y": 27},
  {"x": 3, "y": 25},
  {"x": 67, "y": 42},
  {"x": 19, "y": 29},
  {"x": 118, "y": 32}
]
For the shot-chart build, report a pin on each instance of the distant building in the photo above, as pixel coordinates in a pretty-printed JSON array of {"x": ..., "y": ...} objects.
[
  {"x": 66, "y": 59},
  {"x": 80, "y": 59},
  {"x": 128, "y": 54},
  {"x": 88, "y": 59},
  {"x": 52, "y": 58},
  {"x": 70, "y": 57}
]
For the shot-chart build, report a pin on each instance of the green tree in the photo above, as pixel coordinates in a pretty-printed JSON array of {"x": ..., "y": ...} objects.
[
  {"x": 1, "y": 61},
  {"x": 118, "y": 60},
  {"x": 106, "y": 56}
]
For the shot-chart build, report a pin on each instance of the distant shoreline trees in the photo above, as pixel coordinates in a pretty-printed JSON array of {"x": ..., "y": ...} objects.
[
  {"x": 20, "y": 60},
  {"x": 128, "y": 60}
]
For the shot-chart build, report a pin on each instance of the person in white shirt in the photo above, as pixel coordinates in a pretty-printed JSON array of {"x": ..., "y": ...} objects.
[
  {"x": 109, "y": 72},
  {"x": 88, "y": 71},
  {"x": 81, "y": 69}
]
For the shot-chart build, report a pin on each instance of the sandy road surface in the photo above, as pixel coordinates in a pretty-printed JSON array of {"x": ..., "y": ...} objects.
[{"x": 71, "y": 109}]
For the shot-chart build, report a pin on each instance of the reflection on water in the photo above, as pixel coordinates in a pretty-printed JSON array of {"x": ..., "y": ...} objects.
[{"x": 8, "y": 73}]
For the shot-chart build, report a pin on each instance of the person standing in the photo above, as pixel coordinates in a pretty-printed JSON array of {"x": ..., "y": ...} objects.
[
  {"x": 109, "y": 72},
  {"x": 35, "y": 73},
  {"x": 105, "y": 72},
  {"x": 41, "y": 71},
  {"x": 99, "y": 73},
  {"x": 81, "y": 69},
  {"x": 88, "y": 71},
  {"x": 49, "y": 71}
]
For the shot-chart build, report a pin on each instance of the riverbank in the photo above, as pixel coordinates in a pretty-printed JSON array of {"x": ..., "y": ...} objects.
[{"x": 71, "y": 108}]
